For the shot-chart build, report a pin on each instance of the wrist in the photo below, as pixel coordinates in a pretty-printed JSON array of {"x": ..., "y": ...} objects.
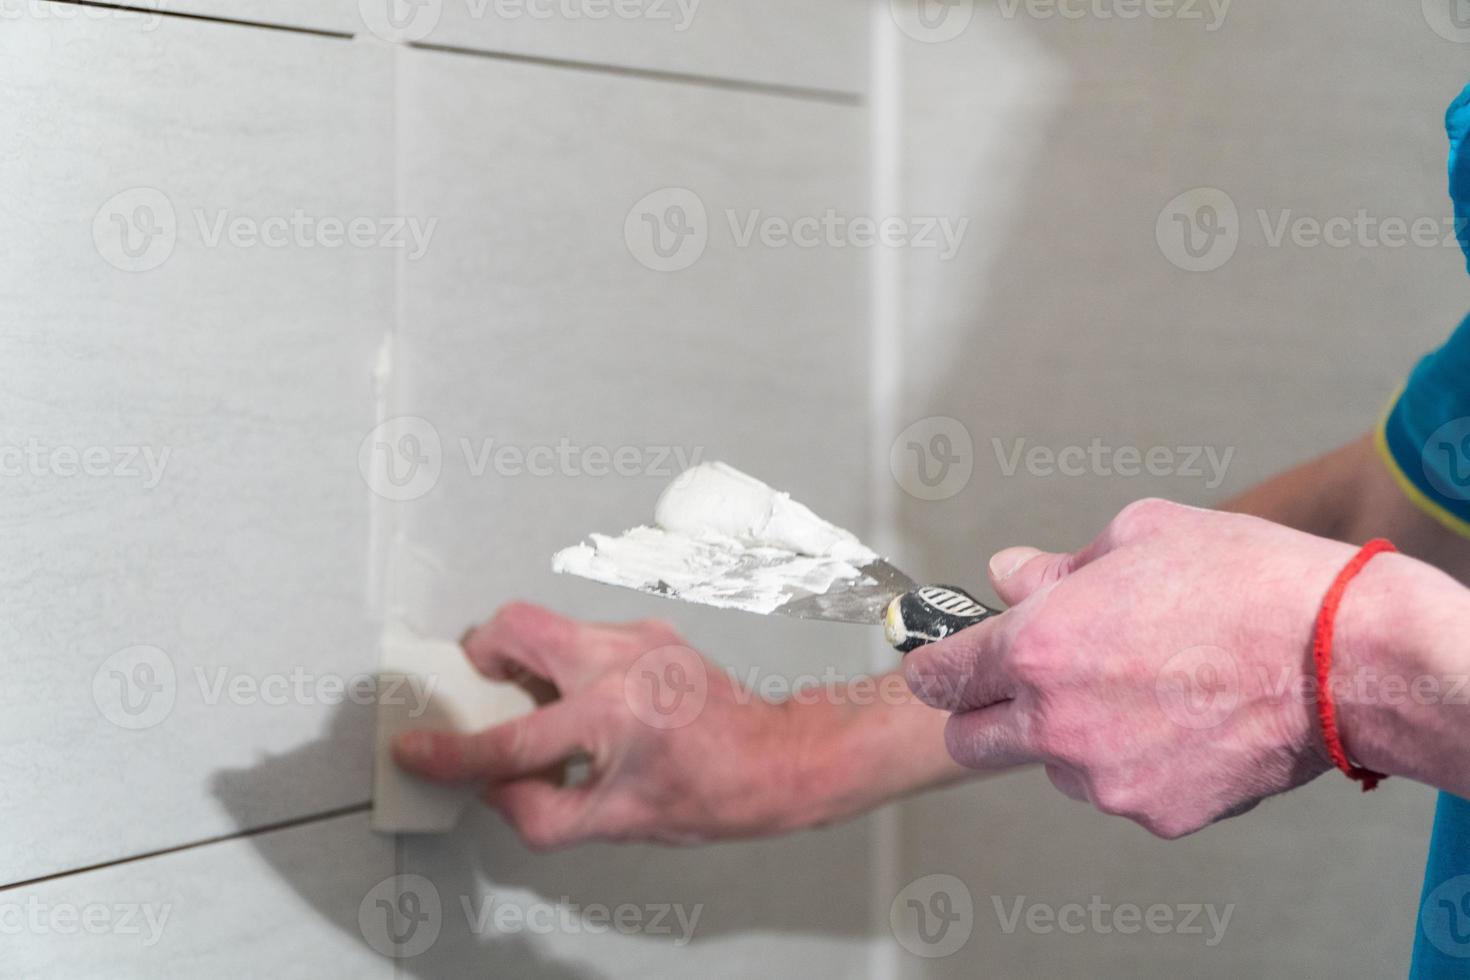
[
  {"x": 1391, "y": 685},
  {"x": 861, "y": 745}
]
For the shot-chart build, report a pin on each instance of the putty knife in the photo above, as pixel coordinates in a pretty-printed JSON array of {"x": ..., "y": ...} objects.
[
  {"x": 724, "y": 538},
  {"x": 911, "y": 615}
]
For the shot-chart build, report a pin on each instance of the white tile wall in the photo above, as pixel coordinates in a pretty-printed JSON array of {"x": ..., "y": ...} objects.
[
  {"x": 809, "y": 44},
  {"x": 158, "y": 628},
  {"x": 533, "y": 322},
  {"x": 162, "y": 628},
  {"x": 1062, "y": 320},
  {"x": 295, "y": 904}
]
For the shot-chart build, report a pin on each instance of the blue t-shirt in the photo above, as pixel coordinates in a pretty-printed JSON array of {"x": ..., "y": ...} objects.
[{"x": 1425, "y": 439}]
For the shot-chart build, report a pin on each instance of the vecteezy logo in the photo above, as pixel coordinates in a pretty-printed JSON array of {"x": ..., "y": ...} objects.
[
  {"x": 667, "y": 230},
  {"x": 135, "y": 688},
  {"x": 1445, "y": 917},
  {"x": 1446, "y": 459},
  {"x": 1199, "y": 229},
  {"x": 933, "y": 459},
  {"x": 1450, "y": 19},
  {"x": 401, "y": 458},
  {"x": 933, "y": 916},
  {"x": 136, "y": 229},
  {"x": 667, "y": 687},
  {"x": 400, "y": 20},
  {"x": 932, "y": 21},
  {"x": 1198, "y": 687},
  {"x": 401, "y": 916}
]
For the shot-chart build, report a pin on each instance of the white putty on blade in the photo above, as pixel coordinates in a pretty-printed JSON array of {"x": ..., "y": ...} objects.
[{"x": 723, "y": 538}]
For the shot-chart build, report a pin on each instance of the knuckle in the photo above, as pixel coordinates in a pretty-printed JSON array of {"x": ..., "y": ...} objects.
[
  {"x": 1031, "y": 659},
  {"x": 1112, "y": 797},
  {"x": 514, "y": 613},
  {"x": 1143, "y": 517},
  {"x": 656, "y": 632},
  {"x": 1165, "y": 827},
  {"x": 540, "y": 836}
]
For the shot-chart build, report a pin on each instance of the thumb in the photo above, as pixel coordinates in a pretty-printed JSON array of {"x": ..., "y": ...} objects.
[{"x": 1015, "y": 573}]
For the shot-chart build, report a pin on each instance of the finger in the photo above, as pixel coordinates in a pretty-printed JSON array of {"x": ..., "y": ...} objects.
[
  {"x": 546, "y": 816},
  {"x": 512, "y": 750},
  {"x": 990, "y": 738},
  {"x": 963, "y": 671},
  {"x": 1015, "y": 573},
  {"x": 1069, "y": 781},
  {"x": 522, "y": 637}
]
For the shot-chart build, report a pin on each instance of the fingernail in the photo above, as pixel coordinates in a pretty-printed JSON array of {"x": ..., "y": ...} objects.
[{"x": 1005, "y": 563}]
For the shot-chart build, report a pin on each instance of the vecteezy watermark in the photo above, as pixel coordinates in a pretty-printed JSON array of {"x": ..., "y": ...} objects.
[
  {"x": 138, "y": 10},
  {"x": 831, "y": 687},
  {"x": 1202, "y": 687},
  {"x": 414, "y": 20},
  {"x": 1199, "y": 687},
  {"x": 1210, "y": 13},
  {"x": 933, "y": 916},
  {"x": 32, "y": 916},
  {"x": 135, "y": 687},
  {"x": 135, "y": 230},
  {"x": 1207, "y": 463},
  {"x": 138, "y": 687},
  {"x": 932, "y": 459},
  {"x": 1200, "y": 229},
  {"x": 33, "y": 458},
  {"x": 667, "y": 687},
  {"x": 1446, "y": 459},
  {"x": 669, "y": 229},
  {"x": 402, "y": 459},
  {"x": 932, "y": 21},
  {"x": 302, "y": 230},
  {"x": 494, "y": 915},
  {"x": 299, "y": 686},
  {"x": 138, "y": 229},
  {"x": 1098, "y": 917},
  {"x": 403, "y": 916},
  {"x": 1444, "y": 917},
  {"x": 1450, "y": 19}
]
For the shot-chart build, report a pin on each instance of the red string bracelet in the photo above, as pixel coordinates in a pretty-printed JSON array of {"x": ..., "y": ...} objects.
[{"x": 1322, "y": 655}]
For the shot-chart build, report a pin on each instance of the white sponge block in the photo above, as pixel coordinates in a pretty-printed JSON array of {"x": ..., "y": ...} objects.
[{"x": 430, "y": 684}]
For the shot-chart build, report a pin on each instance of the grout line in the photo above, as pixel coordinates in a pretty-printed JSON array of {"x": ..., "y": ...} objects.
[
  {"x": 809, "y": 93},
  {"x": 653, "y": 74},
  {"x": 144, "y": 9},
  {"x": 269, "y": 828},
  {"x": 391, "y": 523},
  {"x": 885, "y": 373}
]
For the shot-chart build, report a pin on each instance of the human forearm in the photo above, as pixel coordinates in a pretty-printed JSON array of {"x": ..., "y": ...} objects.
[
  {"x": 865, "y": 744},
  {"x": 1350, "y": 495},
  {"x": 1320, "y": 496}
]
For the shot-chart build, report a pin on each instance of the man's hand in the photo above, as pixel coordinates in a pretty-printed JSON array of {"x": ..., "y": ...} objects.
[
  {"x": 673, "y": 755},
  {"x": 677, "y": 752},
  {"x": 1164, "y": 672}
]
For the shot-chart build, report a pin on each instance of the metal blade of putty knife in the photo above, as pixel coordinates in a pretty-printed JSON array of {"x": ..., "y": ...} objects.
[{"x": 859, "y": 600}]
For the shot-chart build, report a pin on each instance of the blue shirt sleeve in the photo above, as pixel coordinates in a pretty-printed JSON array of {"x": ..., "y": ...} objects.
[
  {"x": 1425, "y": 438},
  {"x": 1456, "y": 124},
  {"x": 1426, "y": 441}
]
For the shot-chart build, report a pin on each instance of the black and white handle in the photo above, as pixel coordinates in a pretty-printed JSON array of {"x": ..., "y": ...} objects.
[{"x": 930, "y": 613}]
